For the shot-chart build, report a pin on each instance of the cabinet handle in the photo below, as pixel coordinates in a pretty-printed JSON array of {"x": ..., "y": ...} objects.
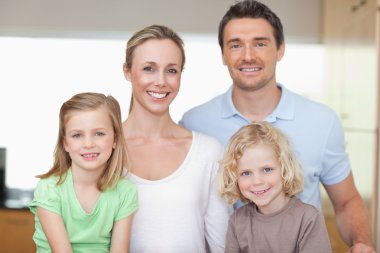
[
  {"x": 358, "y": 4},
  {"x": 17, "y": 222}
]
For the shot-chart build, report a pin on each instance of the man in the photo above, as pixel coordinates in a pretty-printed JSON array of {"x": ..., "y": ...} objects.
[{"x": 252, "y": 41}]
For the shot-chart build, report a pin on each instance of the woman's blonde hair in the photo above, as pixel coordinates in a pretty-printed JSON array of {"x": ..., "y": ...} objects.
[
  {"x": 115, "y": 165},
  {"x": 249, "y": 136}
]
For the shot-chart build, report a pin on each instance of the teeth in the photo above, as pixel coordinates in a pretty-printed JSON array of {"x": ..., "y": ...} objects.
[
  {"x": 157, "y": 95},
  {"x": 90, "y": 155},
  {"x": 249, "y": 69},
  {"x": 260, "y": 192}
]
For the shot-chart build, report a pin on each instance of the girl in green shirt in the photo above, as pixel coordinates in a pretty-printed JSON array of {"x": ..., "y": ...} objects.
[{"x": 83, "y": 203}]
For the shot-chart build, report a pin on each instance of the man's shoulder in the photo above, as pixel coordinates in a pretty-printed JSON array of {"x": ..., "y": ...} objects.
[
  {"x": 205, "y": 116},
  {"x": 204, "y": 109},
  {"x": 311, "y": 107}
]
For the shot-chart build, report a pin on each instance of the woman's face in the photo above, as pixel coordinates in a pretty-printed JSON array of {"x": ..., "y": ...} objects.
[{"x": 155, "y": 75}]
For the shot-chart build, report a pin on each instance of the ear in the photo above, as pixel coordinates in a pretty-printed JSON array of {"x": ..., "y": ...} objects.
[
  {"x": 114, "y": 142},
  {"x": 223, "y": 59},
  {"x": 65, "y": 145},
  {"x": 281, "y": 51},
  {"x": 127, "y": 72}
]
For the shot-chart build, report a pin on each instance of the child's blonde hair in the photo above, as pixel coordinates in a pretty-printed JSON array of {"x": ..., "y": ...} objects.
[
  {"x": 249, "y": 136},
  {"x": 115, "y": 165}
]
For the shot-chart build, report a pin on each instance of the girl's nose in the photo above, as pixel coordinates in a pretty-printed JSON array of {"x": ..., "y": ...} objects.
[{"x": 88, "y": 142}]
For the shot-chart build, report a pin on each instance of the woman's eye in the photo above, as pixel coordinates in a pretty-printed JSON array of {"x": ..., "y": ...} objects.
[
  {"x": 173, "y": 71},
  {"x": 150, "y": 69}
]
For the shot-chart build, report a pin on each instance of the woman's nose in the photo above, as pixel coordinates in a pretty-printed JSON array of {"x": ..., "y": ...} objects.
[{"x": 161, "y": 80}]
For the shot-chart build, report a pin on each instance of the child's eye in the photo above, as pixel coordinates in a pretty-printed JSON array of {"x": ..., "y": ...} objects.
[
  {"x": 99, "y": 134},
  {"x": 246, "y": 173},
  {"x": 75, "y": 135},
  {"x": 267, "y": 170}
]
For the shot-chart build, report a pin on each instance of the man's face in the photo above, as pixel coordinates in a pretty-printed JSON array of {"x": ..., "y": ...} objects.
[{"x": 250, "y": 53}]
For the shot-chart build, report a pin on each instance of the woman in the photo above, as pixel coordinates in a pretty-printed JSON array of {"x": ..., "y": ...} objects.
[{"x": 174, "y": 169}]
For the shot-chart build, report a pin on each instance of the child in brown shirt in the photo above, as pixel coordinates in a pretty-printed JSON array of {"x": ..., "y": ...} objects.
[{"x": 259, "y": 168}]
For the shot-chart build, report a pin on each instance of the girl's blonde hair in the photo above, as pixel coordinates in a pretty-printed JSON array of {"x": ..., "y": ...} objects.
[
  {"x": 249, "y": 136},
  {"x": 115, "y": 165}
]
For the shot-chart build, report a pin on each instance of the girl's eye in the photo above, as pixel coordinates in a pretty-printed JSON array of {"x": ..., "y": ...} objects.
[
  {"x": 99, "y": 134},
  {"x": 75, "y": 135},
  {"x": 268, "y": 170},
  {"x": 148, "y": 68}
]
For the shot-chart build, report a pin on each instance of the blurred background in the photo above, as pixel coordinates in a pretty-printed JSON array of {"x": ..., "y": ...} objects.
[{"x": 50, "y": 50}]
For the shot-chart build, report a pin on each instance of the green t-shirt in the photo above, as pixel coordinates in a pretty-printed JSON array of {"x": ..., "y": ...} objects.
[{"x": 87, "y": 232}]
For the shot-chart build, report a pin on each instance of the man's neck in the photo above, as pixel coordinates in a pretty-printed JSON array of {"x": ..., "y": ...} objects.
[{"x": 256, "y": 105}]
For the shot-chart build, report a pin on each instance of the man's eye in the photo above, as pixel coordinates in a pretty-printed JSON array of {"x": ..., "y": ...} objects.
[
  {"x": 235, "y": 46},
  {"x": 260, "y": 45}
]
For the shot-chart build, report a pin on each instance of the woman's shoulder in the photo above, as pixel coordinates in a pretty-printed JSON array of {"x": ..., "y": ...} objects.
[{"x": 208, "y": 140}]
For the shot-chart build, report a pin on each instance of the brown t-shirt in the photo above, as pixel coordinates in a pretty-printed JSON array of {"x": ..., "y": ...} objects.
[{"x": 296, "y": 228}]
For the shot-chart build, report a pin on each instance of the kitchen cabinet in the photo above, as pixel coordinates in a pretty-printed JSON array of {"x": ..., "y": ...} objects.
[
  {"x": 351, "y": 38},
  {"x": 16, "y": 229}
]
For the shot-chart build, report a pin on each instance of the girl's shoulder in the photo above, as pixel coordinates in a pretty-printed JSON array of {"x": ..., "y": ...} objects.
[{"x": 125, "y": 186}]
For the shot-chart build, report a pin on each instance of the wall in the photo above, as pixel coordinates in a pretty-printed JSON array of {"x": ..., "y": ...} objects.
[{"x": 99, "y": 18}]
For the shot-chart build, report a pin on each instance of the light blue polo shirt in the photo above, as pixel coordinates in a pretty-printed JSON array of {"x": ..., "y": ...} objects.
[{"x": 313, "y": 129}]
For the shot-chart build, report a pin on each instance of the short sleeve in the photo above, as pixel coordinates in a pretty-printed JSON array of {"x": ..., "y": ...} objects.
[
  {"x": 46, "y": 195},
  {"x": 128, "y": 199},
  {"x": 335, "y": 163},
  {"x": 232, "y": 244}
]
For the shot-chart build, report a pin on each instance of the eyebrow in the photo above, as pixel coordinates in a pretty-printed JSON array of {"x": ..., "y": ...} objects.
[
  {"x": 154, "y": 63},
  {"x": 254, "y": 39}
]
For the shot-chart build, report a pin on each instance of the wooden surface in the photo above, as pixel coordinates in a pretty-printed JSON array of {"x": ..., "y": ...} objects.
[{"x": 16, "y": 230}]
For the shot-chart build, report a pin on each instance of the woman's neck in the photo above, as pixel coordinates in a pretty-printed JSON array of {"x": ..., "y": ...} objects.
[{"x": 148, "y": 125}]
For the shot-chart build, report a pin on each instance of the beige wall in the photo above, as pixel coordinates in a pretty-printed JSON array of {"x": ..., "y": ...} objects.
[{"x": 88, "y": 18}]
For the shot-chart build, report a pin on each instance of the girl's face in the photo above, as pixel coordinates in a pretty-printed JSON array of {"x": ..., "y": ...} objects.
[
  {"x": 89, "y": 139},
  {"x": 155, "y": 75},
  {"x": 259, "y": 178}
]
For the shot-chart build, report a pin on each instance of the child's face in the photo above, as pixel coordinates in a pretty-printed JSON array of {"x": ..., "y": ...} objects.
[
  {"x": 89, "y": 139},
  {"x": 259, "y": 178}
]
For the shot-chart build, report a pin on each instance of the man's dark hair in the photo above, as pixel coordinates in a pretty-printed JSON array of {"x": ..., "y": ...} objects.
[{"x": 252, "y": 9}]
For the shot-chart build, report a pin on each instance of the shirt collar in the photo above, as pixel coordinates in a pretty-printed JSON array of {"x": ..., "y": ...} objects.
[
  {"x": 228, "y": 108},
  {"x": 284, "y": 110}
]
